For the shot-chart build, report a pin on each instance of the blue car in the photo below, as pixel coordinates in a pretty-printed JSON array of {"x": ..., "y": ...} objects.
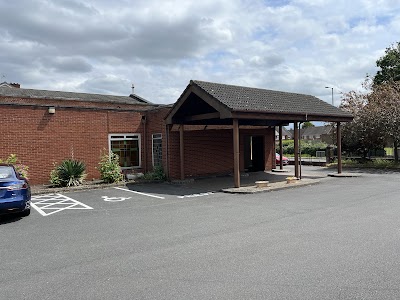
[{"x": 15, "y": 193}]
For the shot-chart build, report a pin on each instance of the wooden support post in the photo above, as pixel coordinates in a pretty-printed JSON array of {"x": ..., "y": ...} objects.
[
  {"x": 296, "y": 150},
  {"x": 181, "y": 150},
  {"x": 280, "y": 148},
  {"x": 339, "y": 148},
  {"x": 236, "y": 156}
]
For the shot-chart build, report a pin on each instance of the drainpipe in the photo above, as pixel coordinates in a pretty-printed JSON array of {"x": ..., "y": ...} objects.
[
  {"x": 300, "y": 148},
  {"x": 182, "y": 150},
  {"x": 296, "y": 149},
  {"x": 280, "y": 148}
]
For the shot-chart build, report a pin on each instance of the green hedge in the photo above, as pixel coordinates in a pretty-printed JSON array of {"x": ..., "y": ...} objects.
[{"x": 307, "y": 147}]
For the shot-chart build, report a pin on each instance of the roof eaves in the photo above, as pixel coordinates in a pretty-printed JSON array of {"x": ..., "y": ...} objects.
[
  {"x": 345, "y": 115},
  {"x": 195, "y": 82}
]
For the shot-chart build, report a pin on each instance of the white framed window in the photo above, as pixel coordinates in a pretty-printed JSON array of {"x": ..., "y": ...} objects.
[
  {"x": 127, "y": 147},
  {"x": 157, "y": 149}
]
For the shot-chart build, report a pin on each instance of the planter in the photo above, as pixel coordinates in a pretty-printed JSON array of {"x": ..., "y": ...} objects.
[
  {"x": 134, "y": 176},
  {"x": 262, "y": 184}
]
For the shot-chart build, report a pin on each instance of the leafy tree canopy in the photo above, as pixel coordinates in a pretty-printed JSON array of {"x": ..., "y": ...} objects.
[
  {"x": 389, "y": 65},
  {"x": 307, "y": 125}
]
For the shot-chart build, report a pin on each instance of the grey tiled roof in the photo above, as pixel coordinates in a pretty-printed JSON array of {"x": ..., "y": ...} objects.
[
  {"x": 239, "y": 98},
  {"x": 317, "y": 130},
  {"x": 57, "y": 95}
]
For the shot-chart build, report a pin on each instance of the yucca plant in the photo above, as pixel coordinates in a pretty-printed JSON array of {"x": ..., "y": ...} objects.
[{"x": 70, "y": 172}]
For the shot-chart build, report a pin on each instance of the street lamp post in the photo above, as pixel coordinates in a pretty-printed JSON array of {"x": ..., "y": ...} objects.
[{"x": 328, "y": 87}]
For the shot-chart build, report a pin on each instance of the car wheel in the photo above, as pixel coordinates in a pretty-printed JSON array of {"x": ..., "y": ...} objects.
[{"x": 26, "y": 212}]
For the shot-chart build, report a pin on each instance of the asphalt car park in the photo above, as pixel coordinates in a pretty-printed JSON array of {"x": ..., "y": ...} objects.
[
  {"x": 338, "y": 239},
  {"x": 103, "y": 199}
]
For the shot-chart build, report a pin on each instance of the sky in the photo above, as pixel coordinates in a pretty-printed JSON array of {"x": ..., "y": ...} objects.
[{"x": 104, "y": 46}]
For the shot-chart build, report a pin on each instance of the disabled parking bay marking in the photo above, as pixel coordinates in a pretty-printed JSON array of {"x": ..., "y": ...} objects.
[
  {"x": 53, "y": 203},
  {"x": 140, "y": 193},
  {"x": 114, "y": 199}
]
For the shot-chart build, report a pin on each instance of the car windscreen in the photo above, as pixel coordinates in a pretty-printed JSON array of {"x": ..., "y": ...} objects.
[{"x": 7, "y": 172}]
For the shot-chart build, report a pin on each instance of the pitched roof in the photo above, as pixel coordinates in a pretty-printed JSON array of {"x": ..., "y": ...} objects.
[
  {"x": 286, "y": 132},
  {"x": 316, "y": 130},
  {"x": 214, "y": 103},
  {"x": 239, "y": 98},
  {"x": 58, "y": 95}
]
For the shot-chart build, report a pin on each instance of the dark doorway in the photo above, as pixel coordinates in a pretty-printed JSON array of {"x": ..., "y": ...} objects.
[{"x": 254, "y": 153}]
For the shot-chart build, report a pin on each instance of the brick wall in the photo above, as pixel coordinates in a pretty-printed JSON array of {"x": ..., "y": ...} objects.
[
  {"x": 40, "y": 139},
  {"x": 154, "y": 124},
  {"x": 209, "y": 152},
  {"x": 80, "y": 130}
]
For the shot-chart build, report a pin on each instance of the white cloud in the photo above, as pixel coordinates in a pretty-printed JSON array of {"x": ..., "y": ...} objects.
[{"x": 298, "y": 45}]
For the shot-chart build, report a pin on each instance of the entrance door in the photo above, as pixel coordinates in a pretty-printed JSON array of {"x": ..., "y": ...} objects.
[{"x": 254, "y": 153}]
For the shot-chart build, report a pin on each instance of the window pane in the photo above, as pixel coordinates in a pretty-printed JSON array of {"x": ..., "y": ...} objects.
[
  {"x": 128, "y": 152},
  {"x": 157, "y": 150}
]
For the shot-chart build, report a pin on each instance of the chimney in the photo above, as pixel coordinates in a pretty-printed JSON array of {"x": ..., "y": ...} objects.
[
  {"x": 16, "y": 85},
  {"x": 133, "y": 89}
]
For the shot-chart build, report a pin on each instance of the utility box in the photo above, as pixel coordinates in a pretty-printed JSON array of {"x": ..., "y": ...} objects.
[{"x": 329, "y": 154}]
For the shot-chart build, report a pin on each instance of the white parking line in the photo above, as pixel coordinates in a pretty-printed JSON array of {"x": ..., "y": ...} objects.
[
  {"x": 52, "y": 203},
  {"x": 196, "y": 195},
  {"x": 144, "y": 194}
]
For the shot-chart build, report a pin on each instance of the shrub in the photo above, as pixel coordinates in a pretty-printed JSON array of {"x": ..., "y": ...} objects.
[
  {"x": 380, "y": 163},
  {"x": 307, "y": 147},
  {"x": 375, "y": 163},
  {"x": 70, "y": 172},
  {"x": 109, "y": 168},
  {"x": 20, "y": 168},
  {"x": 156, "y": 174},
  {"x": 54, "y": 178}
]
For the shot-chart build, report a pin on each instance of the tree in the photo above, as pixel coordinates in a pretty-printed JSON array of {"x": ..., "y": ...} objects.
[
  {"x": 365, "y": 132},
  {"x": 307, "y": 124},
  {"x": 385, "y": 98},
  {"x": 384, "y": 102},
  {"x": 377, "y": 111},
  {"x": 389, "y": 65}
]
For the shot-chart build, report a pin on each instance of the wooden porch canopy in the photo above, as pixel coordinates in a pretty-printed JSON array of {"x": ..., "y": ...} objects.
[{"x": 207, "y": 103}]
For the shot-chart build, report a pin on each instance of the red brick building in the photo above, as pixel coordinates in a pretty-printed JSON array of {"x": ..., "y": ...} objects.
[{"x": 197, "y": 136}]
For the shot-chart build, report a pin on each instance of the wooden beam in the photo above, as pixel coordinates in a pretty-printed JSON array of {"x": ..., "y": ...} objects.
[
  {"x": 210, "y": 100},
  {"x": 267, "y": 116},
  {"x": 339, "y": 148},
  {"x": 181, "y": 151},
  {"x": 296, "y": 150},
  {"x": 280, "y": 147},
  {"x": 214, "y": 115},
  {"x": 236, "y": 154},
  {"x": 278, "y": 116}
]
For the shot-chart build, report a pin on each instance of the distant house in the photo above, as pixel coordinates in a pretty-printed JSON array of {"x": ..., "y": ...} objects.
[
  {"x": 318, "y": 133},
  {"x": 286, "y": 134}
]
